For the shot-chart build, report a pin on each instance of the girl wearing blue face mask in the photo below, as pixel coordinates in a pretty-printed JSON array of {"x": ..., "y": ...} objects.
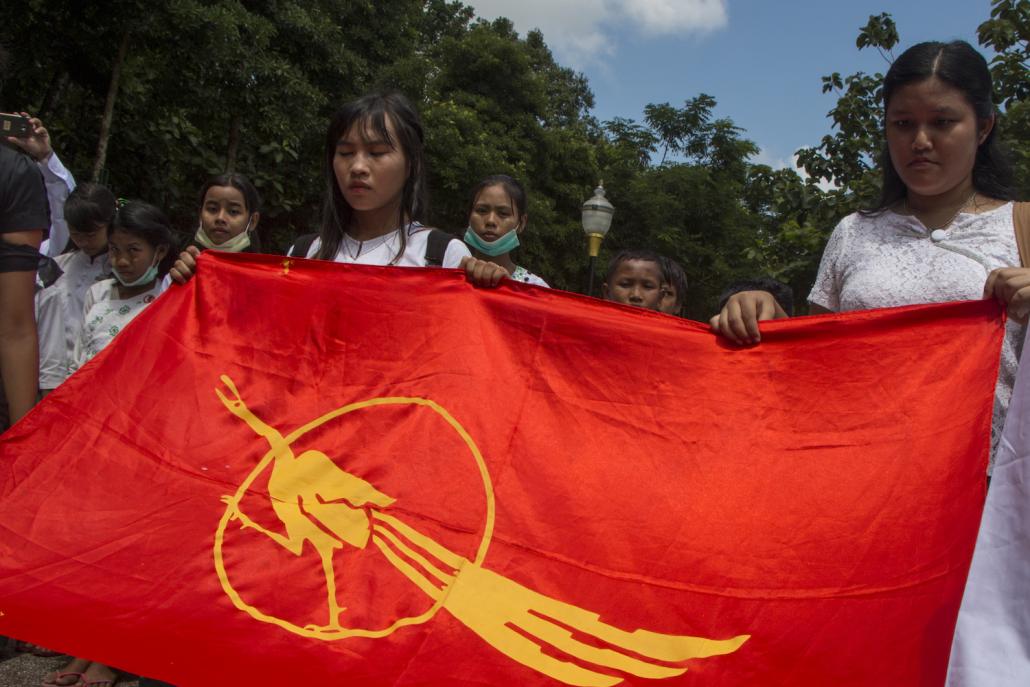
[
  {"x": 141, "y": 249},
  {"x": 497, "y": 216}
]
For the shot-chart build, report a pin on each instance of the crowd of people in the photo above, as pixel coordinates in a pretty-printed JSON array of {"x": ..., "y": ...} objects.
[{"x": 943, "y": 229}]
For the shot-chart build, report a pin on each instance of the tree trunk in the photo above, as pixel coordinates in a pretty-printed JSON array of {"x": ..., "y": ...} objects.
[
  {"x": 112, "y": 95},
  {"x": 53, "y": 95},
  {"x": 234, "y": 144}
]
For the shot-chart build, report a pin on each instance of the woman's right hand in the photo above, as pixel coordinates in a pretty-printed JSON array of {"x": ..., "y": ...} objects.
[
  {"x": 186, "y": 266},
  {"x": 739, "y": 318}
]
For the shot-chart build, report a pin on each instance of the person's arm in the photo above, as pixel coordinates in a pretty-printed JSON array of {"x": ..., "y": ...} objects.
[
  {"x": 53, "y": 351},
  {"x": 59, "y": 181},
  {"x": 79, "y": 347},
  {"x": 22, "y": 219},
  {"x": 19, "y": 344},
  {"x": 59, "y": 184},
  {"x": 739, "y": 318}
]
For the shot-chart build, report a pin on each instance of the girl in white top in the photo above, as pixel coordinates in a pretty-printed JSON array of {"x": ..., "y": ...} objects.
[
  {"x": 140, "y": 245},
  {"x": 375, "y": 194},
  {"x": 89, "y": 211},
  {"x": 141, "y": 248},
  {"x": 943, "y": 228},
  {"x": 497, "y": 217}
]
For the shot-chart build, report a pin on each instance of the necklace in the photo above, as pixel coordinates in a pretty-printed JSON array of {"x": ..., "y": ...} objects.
[
  {"x": 951, "y": 219},
  {"x": 354, "y": 248}
]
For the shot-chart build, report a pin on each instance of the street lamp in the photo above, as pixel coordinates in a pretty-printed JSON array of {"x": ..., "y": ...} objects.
[{"x": 597, "y": 220}]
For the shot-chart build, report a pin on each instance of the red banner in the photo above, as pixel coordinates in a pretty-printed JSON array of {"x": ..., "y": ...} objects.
[{"x": 294, "y": 472}]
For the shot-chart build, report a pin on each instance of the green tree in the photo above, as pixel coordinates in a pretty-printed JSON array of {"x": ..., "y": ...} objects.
[{"x": 1007, "y": 32}]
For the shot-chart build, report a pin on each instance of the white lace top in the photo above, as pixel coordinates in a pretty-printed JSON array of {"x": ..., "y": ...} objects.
[{"x": 890, "y": 260}]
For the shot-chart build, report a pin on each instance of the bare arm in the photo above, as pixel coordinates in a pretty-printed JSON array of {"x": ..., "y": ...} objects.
[{"x": 19, "y": 345}]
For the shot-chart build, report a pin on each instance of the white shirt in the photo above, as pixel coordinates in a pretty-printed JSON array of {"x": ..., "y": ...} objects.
[
  {"x": 383, "y": 249},
  {"x": 59, "y": 312},
  {"x": 890, "y": 260},
  {"x": 59, "y": 183},
  {"x": 105, "y": 314}
]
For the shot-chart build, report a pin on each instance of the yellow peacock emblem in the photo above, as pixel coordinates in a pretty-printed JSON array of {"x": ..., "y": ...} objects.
[{"x": 320, "y": 504}]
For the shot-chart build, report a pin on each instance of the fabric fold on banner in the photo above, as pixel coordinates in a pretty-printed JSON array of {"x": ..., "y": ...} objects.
[{"x": 294, "y": 472}]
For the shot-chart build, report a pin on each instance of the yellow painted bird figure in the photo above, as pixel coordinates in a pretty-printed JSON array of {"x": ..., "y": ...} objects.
[
  {"x": 321, "y": 503},
  {"x": 315, "y": 500}
]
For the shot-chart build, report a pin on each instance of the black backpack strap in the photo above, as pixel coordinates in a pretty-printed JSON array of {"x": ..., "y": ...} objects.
[
  {"x": 436, "y": 247},
  {"x": 302, "y": 245},
  {"x": 48, "y": 271}
]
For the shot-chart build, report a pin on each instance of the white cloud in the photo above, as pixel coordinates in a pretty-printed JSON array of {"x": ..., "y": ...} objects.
[
  {"x": 823, "y": 184},
  {"x": 670, "y": 16},
  {"x": 764, "y": 157},
  {"x": 581, "y": 31}
]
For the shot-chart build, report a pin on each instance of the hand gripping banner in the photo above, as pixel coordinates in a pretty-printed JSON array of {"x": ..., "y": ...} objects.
[{"x": 292, "y": 471}]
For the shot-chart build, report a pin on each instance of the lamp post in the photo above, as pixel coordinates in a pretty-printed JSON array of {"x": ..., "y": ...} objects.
[{"x": 597, "y": 220}]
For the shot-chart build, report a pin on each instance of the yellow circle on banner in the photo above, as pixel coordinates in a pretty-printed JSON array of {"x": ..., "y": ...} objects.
[{"x": 267, "y": 459}]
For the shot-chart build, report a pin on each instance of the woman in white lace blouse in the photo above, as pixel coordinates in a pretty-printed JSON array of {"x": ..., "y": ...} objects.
[{"x": 943, "y": 227}]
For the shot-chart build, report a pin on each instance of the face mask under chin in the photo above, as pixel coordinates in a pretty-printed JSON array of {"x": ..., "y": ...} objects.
[{"x": 501, "y": 246}]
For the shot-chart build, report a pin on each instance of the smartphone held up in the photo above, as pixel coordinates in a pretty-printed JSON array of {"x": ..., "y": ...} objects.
[{"x": 15, "y": 125}]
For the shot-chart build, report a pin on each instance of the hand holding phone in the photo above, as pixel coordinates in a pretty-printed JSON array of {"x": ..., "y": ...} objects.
[
  {"x": 16, "y": 125},
  {"x": 35, "y": 142}
]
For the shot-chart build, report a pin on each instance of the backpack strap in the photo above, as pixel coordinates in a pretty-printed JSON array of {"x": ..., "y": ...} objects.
[
  {"x": 48, "y": 272},
  {"x": 1021, "y": 222},
  {"x": 302, "y": 245},
  {"x": 436, "y": 247}
]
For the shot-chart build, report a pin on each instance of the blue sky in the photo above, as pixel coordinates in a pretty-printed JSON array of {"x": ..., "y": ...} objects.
[{"x": 762, "y": 60}]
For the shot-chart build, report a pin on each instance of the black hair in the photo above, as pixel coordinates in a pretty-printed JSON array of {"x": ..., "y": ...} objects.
[
  {"x": 515, "y": 190},
  {"x": 89, "y": 205},
  {"x": 632, "y": 254},
  {"x": 240, "y": 182},
  {"x": 147, "y": 222},
  {"x": 960, "y": 66},
  {"x": 372, "y": 111},
  {"x": 674, "y": 276},
  {"x": 783, "y": 294}
]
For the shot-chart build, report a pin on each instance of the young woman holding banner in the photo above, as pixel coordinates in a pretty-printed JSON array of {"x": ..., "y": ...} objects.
[
  {"x": 375, "y": 197},
  {"x": 943, "y": 228}
]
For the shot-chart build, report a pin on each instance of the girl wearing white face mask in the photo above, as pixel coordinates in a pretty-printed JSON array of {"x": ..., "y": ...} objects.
[
  {"x": 229, "y": 213},
  {"x": 497, "y": 217},
  {"x": 141, "y": 249}
]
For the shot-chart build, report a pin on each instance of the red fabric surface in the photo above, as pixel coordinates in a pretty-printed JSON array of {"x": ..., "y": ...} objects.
[{"x": 820, "y": 492}]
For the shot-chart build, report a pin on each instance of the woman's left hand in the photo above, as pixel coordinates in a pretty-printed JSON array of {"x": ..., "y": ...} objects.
[
  {"x": 1011, "y": 286},
  {"x": 483, "y": 273}
]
